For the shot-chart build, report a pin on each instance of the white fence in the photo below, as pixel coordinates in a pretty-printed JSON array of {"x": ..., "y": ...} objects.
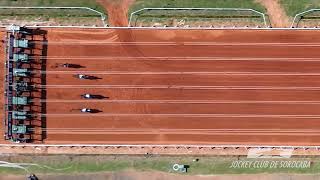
[
  {"x": 102, "y": 15},
  {"x": 213, "y": 9},
  {"x": 159, "y": 146},
  {"x": 298, "y": 16}
]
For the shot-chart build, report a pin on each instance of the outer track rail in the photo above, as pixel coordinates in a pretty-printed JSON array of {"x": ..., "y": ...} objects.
[{"x": 160, "y": 145}]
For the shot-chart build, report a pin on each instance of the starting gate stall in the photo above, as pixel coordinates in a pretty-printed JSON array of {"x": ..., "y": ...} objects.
[
  {"x": 19, "y": 115},
  {"x": 21, "y": 72},
  {"x": 19, "y": 129},
  {"x": 20, "y": 101},
  {"x": 21, "y": 43},
  {"x": 21, "y": 86},
  {"x": 20, "y": 57}
]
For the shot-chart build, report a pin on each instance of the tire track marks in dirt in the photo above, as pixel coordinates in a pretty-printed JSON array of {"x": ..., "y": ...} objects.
[
  {"x": 118, "y": 16},
  {"x": 117, "y": 11},
  {"x": 276, "y": 13}
]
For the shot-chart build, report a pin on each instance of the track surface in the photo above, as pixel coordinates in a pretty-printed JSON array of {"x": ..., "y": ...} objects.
[{"x": 185, "y": 87}]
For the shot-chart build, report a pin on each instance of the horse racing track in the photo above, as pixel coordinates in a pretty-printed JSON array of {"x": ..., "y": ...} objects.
[{"x": 143, "y": 86}]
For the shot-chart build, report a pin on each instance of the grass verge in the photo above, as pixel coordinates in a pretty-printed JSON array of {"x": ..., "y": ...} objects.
[
  {"x": 83, "y": 3},
  {"x": 52, "y": 15},
  {"x": 205, "y": 165},
  {"x": 293, "y": 7},
  {"x": 139, "y": 4},
  {"x": 206, "y": 17}
]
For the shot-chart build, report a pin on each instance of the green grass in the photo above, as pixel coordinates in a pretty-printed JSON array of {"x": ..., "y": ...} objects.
[
  {"x": 293, "y": 7},
  {"x": 84, "y": 3},
  {"x": 210, "y": 15},
  {"x": 52, "y": 13},
  {"x": 205, "y": 166},
  {"x": 62, "y": 15},
  {"x": 139, "y": 4}
]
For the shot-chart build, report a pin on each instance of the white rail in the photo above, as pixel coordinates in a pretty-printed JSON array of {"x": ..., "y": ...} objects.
[
  {"x": 157, "y": 145},
  {"x": 301, "y": 14},
  {"x": 169, "y": 28},
  {"x": 218, "y": 9},
  {"x": 102, "y": 15}
]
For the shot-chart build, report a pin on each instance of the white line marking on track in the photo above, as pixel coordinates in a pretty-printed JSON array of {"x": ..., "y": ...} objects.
[
  {"x": 182, "y": 73},
  {"x": 181, "y": 58},
  {"x": 180, "y": 87},
  {"x": 172, "y": 43},
  {"x": 174, "y": 131},
  {"x": 179, "y": 101},
  {"x": 184, "y": 58},
  {"x": 182, "y": 129},
  {"x": 314, "y": 116}
]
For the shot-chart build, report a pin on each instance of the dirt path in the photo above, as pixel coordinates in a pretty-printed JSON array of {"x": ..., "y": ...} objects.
[
  {"x": 276, "y": 13},
  {"x": 117, "y": 11}
]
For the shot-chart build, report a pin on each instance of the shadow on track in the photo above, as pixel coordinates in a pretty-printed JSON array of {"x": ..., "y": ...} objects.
[
  {"x": 93, "y": 96},
  {"x": 68, "y": 65}
]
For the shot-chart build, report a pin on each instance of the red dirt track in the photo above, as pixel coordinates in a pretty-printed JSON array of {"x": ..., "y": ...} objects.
[{"x": 185, "y": 87}]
